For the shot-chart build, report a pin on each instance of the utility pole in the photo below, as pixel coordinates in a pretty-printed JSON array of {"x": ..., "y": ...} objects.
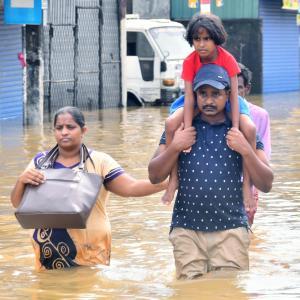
[{"x": 34, "y": 81}]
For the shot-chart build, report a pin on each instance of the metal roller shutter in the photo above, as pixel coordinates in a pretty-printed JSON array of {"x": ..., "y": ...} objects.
[
  {"x": 280, "y": 48},
  {"x": 11, "y": 73}
]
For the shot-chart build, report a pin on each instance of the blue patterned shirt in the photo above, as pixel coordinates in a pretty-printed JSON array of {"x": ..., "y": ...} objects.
[{"x": 209, "y": 194}]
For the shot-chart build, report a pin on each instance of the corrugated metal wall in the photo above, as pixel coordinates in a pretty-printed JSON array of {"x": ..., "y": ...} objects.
[
  {"x": 61, "y": 12},
  {"x": 232, "y": 9},
  {"x": 280, "y": 48},
  {"x": 82, "y": 54},
  {"x": 111, "y": 61},
  {"x": 11, "y": 73}
]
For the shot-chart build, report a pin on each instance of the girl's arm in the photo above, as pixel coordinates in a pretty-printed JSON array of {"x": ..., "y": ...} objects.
[
  {"x": 29, "y": 176},
  {"x": 127, "y": 186},
  {"x": 189, "y": 103},
  {"x": 234, "y": 102}
]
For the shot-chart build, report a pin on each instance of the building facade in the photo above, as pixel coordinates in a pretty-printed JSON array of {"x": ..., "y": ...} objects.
[
  {"x": 81, "y": 47},
  {"x": 280, "y": 47},
  {"x": 11, "y": 71},
  {"x": 72, "y": 58},
  {"x": 262, "y": 35}
]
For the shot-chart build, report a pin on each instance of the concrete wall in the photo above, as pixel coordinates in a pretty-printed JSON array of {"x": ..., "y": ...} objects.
[
  {"x": 34, "y": 82},
  {"x": 245, "y": 43}
]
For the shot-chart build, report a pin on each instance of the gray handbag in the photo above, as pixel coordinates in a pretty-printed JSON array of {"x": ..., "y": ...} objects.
[{"x": 64, "y": 200}]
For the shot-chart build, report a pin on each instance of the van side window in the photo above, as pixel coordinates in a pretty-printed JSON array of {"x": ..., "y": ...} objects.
[{"x": 138, "y": 45}]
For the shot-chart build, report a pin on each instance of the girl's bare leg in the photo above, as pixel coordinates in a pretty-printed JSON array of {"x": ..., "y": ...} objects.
[
  {"x": 172, "y": 123},
  {"x": 249, "y": 130},
  {"x": 169, "y": 194}
]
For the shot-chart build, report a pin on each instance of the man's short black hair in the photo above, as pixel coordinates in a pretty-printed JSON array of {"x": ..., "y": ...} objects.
[
  {"x": 211, "y": 23},
  {"x": 246, "y": 74}
]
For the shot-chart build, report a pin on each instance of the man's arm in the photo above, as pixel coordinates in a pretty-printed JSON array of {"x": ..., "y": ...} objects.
[
  {"x": 256, "y": 162},
  {"x": 164, "y": 158}
]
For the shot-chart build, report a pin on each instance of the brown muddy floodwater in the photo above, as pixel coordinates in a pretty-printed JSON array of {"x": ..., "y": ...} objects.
[{"x": 142, "y": 264}]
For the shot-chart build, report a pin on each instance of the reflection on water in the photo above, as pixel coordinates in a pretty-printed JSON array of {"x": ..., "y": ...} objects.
[{"x": 142, "y": 264}]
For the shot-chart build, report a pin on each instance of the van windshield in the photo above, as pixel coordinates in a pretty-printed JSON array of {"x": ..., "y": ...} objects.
[{"x": 171, "y": 42}]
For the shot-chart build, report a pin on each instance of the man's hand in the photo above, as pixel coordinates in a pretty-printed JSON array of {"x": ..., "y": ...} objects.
[
  {"x": 237, "y": 142},
  {"x": 183, "y": 138}
]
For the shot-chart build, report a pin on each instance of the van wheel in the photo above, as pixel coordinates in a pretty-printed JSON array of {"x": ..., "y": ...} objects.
[
  {"x": 158, "y": 102},
  {"x": 132, "y": 100}
]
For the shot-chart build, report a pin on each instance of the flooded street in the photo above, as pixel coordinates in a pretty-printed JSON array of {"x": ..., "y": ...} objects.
[{"x": 142, "y": 265}]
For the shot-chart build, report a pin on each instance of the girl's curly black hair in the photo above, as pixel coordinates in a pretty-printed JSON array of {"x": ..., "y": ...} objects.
[{"x": 211, "y": 23}]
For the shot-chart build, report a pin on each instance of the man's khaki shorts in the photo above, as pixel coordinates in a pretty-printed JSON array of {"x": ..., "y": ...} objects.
[{"x": 199, "y": 252}]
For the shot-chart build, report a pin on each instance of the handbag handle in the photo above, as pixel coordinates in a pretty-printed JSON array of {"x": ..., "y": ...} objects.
[
  {"x": 84, "y": 155},
  {"x": 81, "y": 165},
  {"x": 47, "y": 161}
]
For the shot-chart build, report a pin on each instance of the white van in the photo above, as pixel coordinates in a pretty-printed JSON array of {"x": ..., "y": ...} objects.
[{"x": 155, "y": 52}]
